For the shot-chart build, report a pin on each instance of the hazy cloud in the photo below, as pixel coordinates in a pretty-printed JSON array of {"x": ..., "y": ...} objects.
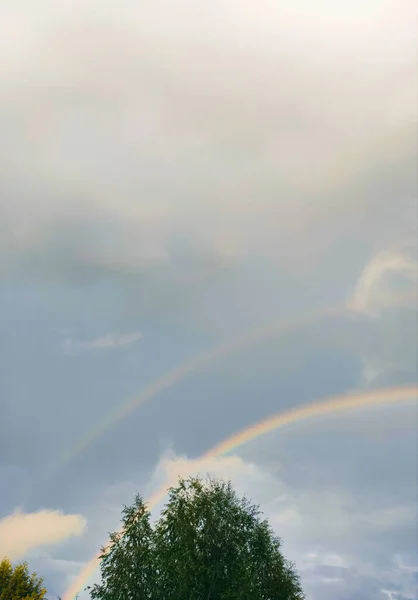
[
  {"x": 106, "y": 342},
  {"x": 134, "y": 139}
]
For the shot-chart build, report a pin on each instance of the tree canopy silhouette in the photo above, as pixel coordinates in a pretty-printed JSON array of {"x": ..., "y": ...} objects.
[
  {"x": 17, "y": 584},
  {"x": 207, "y": 545}
]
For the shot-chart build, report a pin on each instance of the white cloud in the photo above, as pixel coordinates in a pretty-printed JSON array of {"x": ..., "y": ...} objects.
[
  {"x": 387, "y": 293},
  {"x": 105, "y": 342},
  {"x": 22, "y": 532},
  {"x": 171, "y": 467},
  {"x": 390, "y": 278}
]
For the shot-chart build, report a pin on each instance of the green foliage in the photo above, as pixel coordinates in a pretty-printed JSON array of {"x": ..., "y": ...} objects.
[
  {"x": 128, "y": 560},
  {"x": 17, "y": 584},
  {"x": 207, "y": 545}
]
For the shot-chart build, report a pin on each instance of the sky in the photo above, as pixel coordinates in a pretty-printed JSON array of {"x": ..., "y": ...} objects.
[{"x": 215, "y": 203}]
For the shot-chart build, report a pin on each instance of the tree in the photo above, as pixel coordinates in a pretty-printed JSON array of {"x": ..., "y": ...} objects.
[
  {"x": 17, "y": 584},
  {"x": 207, "y": 545},
  {"x": 128, "y": 560}
]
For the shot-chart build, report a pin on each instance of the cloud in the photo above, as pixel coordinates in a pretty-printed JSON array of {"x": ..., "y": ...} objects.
[
  {"x": 170, "y": 467},
  {"x": 209, "y": 167},
  {"x": 178, "y": 141},
  {"x": 106, "y": 342},
  {"x": 386, "y": 293},
  {"x": 389, "y": 279},
  {"x": 21, "y": 532}
]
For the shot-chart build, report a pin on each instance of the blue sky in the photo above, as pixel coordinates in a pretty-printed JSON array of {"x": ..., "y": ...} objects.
[{"x": 172, "y": 178}]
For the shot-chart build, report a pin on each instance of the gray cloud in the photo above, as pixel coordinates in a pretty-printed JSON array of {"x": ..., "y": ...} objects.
[
  {"x": 155, "y": 122},
  {"x": 194, "y": 172}
]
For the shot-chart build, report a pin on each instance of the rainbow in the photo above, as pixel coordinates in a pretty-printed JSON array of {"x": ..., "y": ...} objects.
[
  {"x": 180, "y": 372},
  {"x": 185, "y": 369},
  {"x": 324, "y": 408}
]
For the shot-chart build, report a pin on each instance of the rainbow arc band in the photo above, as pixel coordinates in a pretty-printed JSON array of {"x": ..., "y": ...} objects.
[
  {"x": 188, "y": 367},
  {"x": 324, "y": 408},
  {"x": 180, "y": 372}
]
